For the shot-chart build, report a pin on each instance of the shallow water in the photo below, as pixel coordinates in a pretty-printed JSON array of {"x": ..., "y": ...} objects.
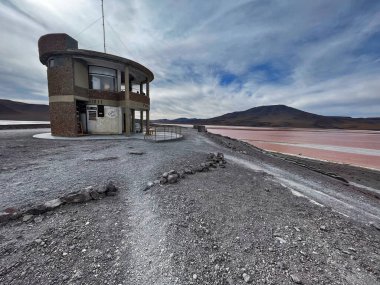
[
  {"x": 355, "y": 147},
  {"x": 10, "y": 122}
]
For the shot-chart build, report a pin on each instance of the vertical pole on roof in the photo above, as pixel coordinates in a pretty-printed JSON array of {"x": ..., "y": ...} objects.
[{"x": 104, "y": 31}]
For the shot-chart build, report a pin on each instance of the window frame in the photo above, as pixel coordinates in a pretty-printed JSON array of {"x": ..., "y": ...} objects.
[{"x": 114, "y": 78}]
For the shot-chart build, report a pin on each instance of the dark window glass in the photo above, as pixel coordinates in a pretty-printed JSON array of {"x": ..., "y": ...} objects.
[{"x": 102, "y": 78}]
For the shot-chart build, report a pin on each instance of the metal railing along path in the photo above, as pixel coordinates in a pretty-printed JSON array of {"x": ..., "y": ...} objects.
[{"x": 164, "y": 133}]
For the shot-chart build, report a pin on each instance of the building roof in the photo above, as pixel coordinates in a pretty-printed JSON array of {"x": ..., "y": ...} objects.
[{"x": 62, "y": 44}]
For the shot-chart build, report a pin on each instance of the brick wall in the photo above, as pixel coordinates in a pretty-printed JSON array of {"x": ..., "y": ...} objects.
[
  {"x": 63, "y": 119},
  {"x": 56, "y": 42},
  {"x": 61, "y": 77}
]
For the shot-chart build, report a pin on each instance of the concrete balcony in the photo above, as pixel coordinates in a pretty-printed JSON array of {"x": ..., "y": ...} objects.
[
  {"x": 140, "y": 98},
  {"x": 106, "y": 95},
  {"x": 111, "y": 95}
]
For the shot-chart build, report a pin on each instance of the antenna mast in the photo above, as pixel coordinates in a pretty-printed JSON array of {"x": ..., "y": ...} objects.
[{"x": 104, "y": 31}]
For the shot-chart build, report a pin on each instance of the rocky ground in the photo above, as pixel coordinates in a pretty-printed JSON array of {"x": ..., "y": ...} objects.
[{"x": 261, "y": 219}]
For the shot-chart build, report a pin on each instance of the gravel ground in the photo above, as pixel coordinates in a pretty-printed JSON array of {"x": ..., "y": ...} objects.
[{"x": 260, "y": 220}]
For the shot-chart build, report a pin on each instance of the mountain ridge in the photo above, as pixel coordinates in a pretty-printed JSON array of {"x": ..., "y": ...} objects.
[
  {"x": 14, "y": 110},
  {"x": 282, "y": 116}
]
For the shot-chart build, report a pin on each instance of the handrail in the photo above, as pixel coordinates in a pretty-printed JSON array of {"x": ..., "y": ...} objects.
[{"x": 163, "y": 133}]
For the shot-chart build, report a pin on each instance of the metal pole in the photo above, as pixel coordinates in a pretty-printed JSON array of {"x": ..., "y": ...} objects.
[{"x": 104, "y": 31}]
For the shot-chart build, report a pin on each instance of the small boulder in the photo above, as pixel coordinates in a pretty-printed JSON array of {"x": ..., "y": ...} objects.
[
  {"x": 101, "y": 190},
  {"x": 296, "y": 279},
  {"x": 204, "y": 167},
  {"x": 148, "y": 186},
  {"x": 7, "y": 216},
  {"x": 10, "y": 210},
  {"x": 165, "y": 175},
  {"x": 198, "y": 168},
  {"x": 181, "y": 174},
  {"x": 111, "y": 193},
  {"x": 26, "y": 218},
  {"x": 38, "y": 219},
  {"x": 136, "y": 152},
  {"x": 172, "y": 178},
  {"x": 246, "y": 277},
  {"x": 52, "y": 204},
  {"x": 202, "y": 129},
  {"x": 4, "y": 217},
  {"x": 163, "y": 180},
  {"x": 77, "y": 197},
  {"x": 37, "y": 210},
  {"x": 95, "y": 195},
  {"x": 110, "y": 187},
  {"x": 211, "y": 156}
]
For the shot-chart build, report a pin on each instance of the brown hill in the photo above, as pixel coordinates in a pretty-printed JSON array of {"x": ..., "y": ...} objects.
[
  {"x": 11, "y": 110},
  {"x": 283, "y": 116}
]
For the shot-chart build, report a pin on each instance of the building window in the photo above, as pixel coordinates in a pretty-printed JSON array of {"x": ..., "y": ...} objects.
[
  {"x": 102, "y": 78},
  {"x": 51, "y": 62}
]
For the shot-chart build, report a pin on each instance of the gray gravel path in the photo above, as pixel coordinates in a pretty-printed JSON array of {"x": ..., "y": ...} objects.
[{"x": 237, "y": 225}]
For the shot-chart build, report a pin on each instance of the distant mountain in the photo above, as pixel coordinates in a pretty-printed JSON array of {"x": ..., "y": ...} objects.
[
  {"x": 282, "y": 116},
  {"x": 12, "y": 110},
  {"x": 179, "y": 121}
]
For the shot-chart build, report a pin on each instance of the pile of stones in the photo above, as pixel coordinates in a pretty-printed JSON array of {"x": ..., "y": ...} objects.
[
  {"x": 81, "y": 196},
  {"x": 200, "y": 128},
  {"x": 173, "y": 176}
]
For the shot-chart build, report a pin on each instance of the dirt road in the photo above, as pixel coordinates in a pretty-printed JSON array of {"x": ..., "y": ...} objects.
[{"x": 260, "y": 220}]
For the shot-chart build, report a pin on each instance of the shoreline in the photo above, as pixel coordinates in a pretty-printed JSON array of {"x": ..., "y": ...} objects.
[
  {"x": 360, "y": 149},
  {"x": 344, "y": 172},
  {"x": 23, "y": 126}
]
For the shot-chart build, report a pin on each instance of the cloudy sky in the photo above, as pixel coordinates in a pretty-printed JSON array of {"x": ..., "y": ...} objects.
[{"x": 212, "y": 57}]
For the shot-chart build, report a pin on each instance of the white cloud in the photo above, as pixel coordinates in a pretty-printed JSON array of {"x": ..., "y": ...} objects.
[{"x": 309, "y": 55}]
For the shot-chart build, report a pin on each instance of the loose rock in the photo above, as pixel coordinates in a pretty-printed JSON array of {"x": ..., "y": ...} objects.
[
  {"x": 246, "y": 277},
  {"x": 26, "y": 218},
  {"x": 296, "y": 279},
  {"x": 52, "y": 204},
  {"x": 172, "y": 178},
  {"x": 136, "y": 152},
  {"x": 148, "y": 186},
  {"x": 323, "y": 228}
]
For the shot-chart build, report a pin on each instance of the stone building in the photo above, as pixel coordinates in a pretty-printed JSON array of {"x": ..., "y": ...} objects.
[{"x": 93, "y": 92}]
